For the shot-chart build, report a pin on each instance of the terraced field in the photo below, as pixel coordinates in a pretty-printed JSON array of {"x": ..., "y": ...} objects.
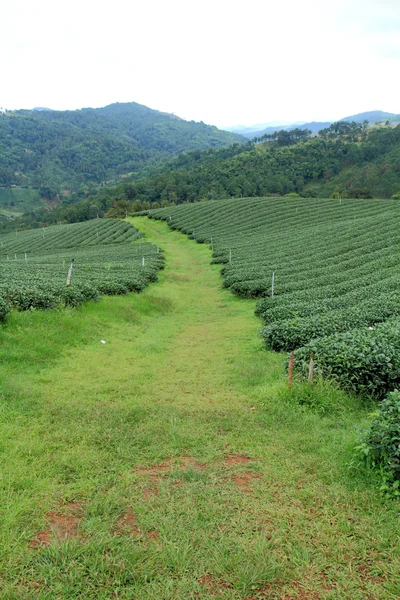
[
  {"x": 34, "y": 264},
  {"x": 334, "y": 269}
]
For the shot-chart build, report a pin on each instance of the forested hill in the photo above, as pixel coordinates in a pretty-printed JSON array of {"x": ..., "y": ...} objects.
[
  {"x": 63, "y": 150},
  {"x": 344, "y": 159}
]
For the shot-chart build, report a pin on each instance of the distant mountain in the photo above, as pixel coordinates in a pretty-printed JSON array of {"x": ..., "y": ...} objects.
[
  {"x": 257, "y": 131},
  {"x": 67, "y": 150},
  {"x": 247, "y": 130},
  {"x": 372, "y": 116}
]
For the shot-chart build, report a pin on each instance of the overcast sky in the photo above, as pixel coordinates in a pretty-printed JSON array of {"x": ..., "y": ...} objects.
[{"x": 218, "y": 61}]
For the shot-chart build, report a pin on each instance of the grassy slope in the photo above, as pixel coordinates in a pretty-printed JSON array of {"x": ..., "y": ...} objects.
[
  {"x": 123, "y": 448},
  {"x": 24, "y": 199}
]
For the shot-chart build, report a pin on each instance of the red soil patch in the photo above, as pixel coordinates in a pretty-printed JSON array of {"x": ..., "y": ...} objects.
[
  {"x": 152, "y": 535},
  {"x": 214, "y": 586},
  {"x": 263, "y": 593},
  {"x": 61, "y": 527},
  {"x": 127, "y": 524},
  {"x": 149, "y": 492},
  {"x": 301, "y": 593},
  {"x": 157, "y": 472},
  {"x": 244, "y": 479},
  {"x": 367, "y": 577},
  {"x": 237, "y": 459},
  {"x": 187, "y": 462}
]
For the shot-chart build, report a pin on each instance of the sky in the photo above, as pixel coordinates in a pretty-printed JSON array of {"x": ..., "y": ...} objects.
[{"x": 222, "y": 62}]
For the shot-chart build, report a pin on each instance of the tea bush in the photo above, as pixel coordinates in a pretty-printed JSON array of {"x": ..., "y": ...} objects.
[
  {"x": 336, "y": 273},
  {"x": 380, "y": 447},
  {"x": 105, "y": 262}
]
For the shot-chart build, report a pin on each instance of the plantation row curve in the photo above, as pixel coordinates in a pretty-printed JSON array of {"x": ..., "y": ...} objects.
[
  {"x": 336, "y": 278},
  {"x": 109, "y": 258}
]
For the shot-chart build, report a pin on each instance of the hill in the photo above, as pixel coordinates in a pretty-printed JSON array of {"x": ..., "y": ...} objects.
[
  {"x": 328, "y": 272},
  {"x": 345, "y": 160},
  {"x": 373, "y": 116},
  {"x": 62, "y": 151}
]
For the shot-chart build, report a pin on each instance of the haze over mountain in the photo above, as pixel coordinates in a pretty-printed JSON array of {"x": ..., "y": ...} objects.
[{"x": 258, "y": 130}]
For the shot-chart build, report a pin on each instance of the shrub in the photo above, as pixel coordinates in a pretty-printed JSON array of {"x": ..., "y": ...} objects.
[
  {"x": 365, "y": 360},
  {"x": 380, "y": 447}
]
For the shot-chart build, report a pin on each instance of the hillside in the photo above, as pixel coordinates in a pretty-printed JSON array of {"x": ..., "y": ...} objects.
[
  {"x": 171, "y": 461},
  {"x": 372, "y": 116},
  {"x": 363, "y": 164},
  {"x": 34, "y": 264},
  {"x": 60, "y": 151},
  {"x": 327, "y": 271},
  {"x": 345, "y": 159}
]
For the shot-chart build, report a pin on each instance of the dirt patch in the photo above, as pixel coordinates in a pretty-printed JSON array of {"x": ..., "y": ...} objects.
[
  {"x": 264, "y": 593},
  {"x": 300, "y": 593},
  {"x": 244, "y": 480},
  {"x": 237, "y": 459},
  {"x": 215, "y": 587},
  {"x": 367, "y": 577},
  {"x": 188, "y": 462},
  {"x": 126, "y": 523},
  {"x": 156, "y": 471},
  {"x": 148, "y": 493},
  {"x": 61, "y": 527}
]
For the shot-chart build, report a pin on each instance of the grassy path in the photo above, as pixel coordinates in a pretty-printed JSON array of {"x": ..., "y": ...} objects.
[{"x": 168, "y": 462}]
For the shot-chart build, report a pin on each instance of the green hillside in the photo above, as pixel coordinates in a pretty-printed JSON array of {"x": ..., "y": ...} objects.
[
  {"x": 346, "y": 158},
  {"x": 34, "y": 264},
  {"x": 15, "y": 201},
  {"x": 64, "y": 150},
  {"x": 328, "y": 274},
  {"x": 151, "y": 450}
]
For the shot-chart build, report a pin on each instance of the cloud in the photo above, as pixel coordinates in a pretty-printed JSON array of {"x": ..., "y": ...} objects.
[{"x": 216, "y": 61}]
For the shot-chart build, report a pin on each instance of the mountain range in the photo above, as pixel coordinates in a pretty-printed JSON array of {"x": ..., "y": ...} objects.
[{"x": 258, "y": 130}]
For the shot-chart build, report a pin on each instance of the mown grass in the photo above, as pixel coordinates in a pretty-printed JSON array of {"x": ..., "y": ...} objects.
[{"x": 172, "y": 463}]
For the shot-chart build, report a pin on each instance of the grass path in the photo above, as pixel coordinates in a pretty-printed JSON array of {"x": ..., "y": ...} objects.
[{"x": 169, "y": 463}]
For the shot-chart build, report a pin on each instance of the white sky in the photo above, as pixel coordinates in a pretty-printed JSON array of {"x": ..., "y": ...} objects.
[{"x": 223, "y": 62}]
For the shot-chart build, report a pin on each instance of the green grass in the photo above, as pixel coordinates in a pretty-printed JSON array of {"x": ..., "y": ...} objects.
[
  {"x": 15, "y": 201},
  {"x": 123, "y": 465}
]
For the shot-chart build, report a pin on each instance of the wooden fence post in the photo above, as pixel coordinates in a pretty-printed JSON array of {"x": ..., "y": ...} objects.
[
  {"x": 311, "y": 369},
  {"x": 290, "y": 372},
  {"x": 70, "y": 272}
]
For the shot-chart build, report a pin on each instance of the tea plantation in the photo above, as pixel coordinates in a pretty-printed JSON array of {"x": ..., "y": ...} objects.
[
  {"x": 336, "y": 267},
  {"x": 34, "y": 264}
]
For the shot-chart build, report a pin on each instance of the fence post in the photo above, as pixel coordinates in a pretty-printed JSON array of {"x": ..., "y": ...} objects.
[
  {"x": 273, "y": 284},
  {"x": 290, "y": 372},
  {"x": 311, "y": 369},
  {"x": 70, "y": 272},
  {"x": 143, "y": 261},
  {"x": 230, "y": 256}
]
